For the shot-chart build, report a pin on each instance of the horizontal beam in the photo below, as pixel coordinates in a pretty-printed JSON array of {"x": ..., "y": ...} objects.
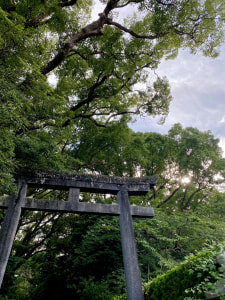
[
  {"x": 86, "y": 182},
  {"x": 79, "y": 207}
]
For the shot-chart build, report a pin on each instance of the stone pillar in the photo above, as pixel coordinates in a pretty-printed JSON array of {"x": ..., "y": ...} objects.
[
  {"x": 73, "y": 201},
  {"x": 9, "y": 227},
  {"x": 130, "y": 260}
]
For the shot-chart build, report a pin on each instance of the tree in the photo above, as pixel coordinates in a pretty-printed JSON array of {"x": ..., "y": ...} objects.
[
  {"x": 105, "y": 74},
  {"x": 84, "y": 252},
  {"x": 98, "y": 66},
  {"x": 186, "y": 180}
]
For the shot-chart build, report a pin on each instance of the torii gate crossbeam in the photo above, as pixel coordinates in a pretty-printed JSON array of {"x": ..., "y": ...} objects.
[{"x": 76, "y": 183}]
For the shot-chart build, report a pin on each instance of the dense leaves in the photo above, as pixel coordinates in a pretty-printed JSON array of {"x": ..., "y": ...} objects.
[
  {"x": 61, "y": 71},
  {"x": 84, "y": 252},
  {"x": 190, "y": 280},
  {"x": 68, "y": 87}
]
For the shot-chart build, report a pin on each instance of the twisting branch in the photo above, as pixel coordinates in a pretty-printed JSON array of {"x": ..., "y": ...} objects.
[
  {"x": 93, "y": 29},
  {"x": 105, "y": 124},
  {"x": 91, "y": 92},
  {"x": 36, "y": 21},
  {"x": 131, "y": 32},
  {"x": 185, "y": 206},
  {"x": 170, "y": 196},
  {"x": 11, "y": 6},
  {"x": 127, "y": 3},
  {"x": 65, "y": 3}
]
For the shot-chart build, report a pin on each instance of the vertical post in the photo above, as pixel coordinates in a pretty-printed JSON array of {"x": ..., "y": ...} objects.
[
  {"x": 73, "y": 202},
  {"x": 9, "y": 227},
  {"x": 130, "y": 260}
]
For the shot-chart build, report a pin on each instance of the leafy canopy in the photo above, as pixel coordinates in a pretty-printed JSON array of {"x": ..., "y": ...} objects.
[{"x": 104, "y": 69}]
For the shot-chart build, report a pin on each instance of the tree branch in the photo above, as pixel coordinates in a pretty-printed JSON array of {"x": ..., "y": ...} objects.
[
  {"x": 91, "y": 92},
  {"x": 93, "y": 29},
  {"x": 190, "y": 198},
  {"x": 65, "y": 3},
  {"x": 131, "y": 32},
  {"x": 36, "y": 21},
  {"x": 170, "y": 196},
  {"x": 127, "y": 3},
  {"x": 11, "y": 7}
]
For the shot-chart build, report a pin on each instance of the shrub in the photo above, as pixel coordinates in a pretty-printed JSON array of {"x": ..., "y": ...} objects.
[{"x": 189, "y": 280}]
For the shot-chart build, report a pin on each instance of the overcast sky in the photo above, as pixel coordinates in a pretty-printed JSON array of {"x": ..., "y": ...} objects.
[{"x": 198, "y": 90}]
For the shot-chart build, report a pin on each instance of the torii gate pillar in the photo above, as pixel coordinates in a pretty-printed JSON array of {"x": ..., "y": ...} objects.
[
  {"x": 122, "y": 187},
  {"x": 9, "y": 227},
  {"x": 130, "y": 259}
]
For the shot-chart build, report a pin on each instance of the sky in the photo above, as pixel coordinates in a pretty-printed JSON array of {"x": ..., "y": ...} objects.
[{"x": 198, "y": 90}]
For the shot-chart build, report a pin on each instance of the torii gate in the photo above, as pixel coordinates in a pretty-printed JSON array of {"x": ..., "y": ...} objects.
[{"x": 76, "y": 183}]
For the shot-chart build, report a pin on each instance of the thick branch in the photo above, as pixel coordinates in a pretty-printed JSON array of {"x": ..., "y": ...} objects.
[
  {"x": 36, "y": 21},
  {"x": 93, "y": 29},
  {"x": 11, "y": 6},
  {"x": 91, "y": 93},
  {"x": 170, "y": 196},
  {"x": 93, "y": 120},
  {"x": 184, "y": 197},
  {"x": 110, "y": 6},
  {"x": 127, "y": 3},
  {"x": 65, "y": 3}
]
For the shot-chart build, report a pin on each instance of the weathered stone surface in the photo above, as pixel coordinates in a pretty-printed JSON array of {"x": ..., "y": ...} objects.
[
  {"x": 79, "y": 207},
  {"x": 130, "y": 260},
  {"x": 86, "y": 182},
  {"x": 9, "y": 227}
]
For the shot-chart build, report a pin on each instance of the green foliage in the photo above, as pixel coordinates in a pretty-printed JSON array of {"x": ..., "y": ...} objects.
[
  {"x": 103, "y": 74},
  {"x": 7, "y": 163},
  {"x": 36, "y": 151},
  {"x": 165, "y": 240},
  {"x": 121, "y": 297},
  {"x": 89, "y": 289},
  {"x": 78, "y": 122},
  {"x": 190, "y": 279},
  {"x": 185, "y": 181},
  {"x": 83, "y": 253}
]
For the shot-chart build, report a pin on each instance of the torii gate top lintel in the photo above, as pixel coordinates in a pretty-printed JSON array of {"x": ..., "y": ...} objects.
[
  {"x": 86, "y": 182},
  {"x": 76, "y": 183}
]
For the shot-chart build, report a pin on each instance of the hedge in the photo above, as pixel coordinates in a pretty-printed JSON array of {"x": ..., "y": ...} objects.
[{"x": 189, "y": 280}]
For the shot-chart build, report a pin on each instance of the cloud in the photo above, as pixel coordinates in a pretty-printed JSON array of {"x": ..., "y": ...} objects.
[
  {"x": 198, "y": 90},
  {"x": 197, "y": 85},
  {"x": 223, "y": 119},
  {"x": 222, "y": 145}
]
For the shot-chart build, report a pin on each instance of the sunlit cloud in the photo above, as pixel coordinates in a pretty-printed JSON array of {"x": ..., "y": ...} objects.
[{"x": 223, "y": 119}]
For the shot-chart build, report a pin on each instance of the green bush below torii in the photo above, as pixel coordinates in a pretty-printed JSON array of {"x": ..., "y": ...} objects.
[{"x": 190, "y": 280}]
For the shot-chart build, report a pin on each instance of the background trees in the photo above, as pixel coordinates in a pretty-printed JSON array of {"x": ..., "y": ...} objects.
[
  {"x": 84, "y": 252},
  {"x": 68, "y": 87}
]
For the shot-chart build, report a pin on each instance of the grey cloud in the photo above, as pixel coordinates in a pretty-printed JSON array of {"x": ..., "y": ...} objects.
[{"x": 198, "y": 90}]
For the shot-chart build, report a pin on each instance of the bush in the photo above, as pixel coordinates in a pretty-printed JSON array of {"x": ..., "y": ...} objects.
[{"x": 189, "y": 280}]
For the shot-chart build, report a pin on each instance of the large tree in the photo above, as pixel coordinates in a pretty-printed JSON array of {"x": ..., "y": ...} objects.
[
  {"x": 104, "y": 69},
  {"x": 84, "y": 252},
  {"x": 104, "y": 73}
]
